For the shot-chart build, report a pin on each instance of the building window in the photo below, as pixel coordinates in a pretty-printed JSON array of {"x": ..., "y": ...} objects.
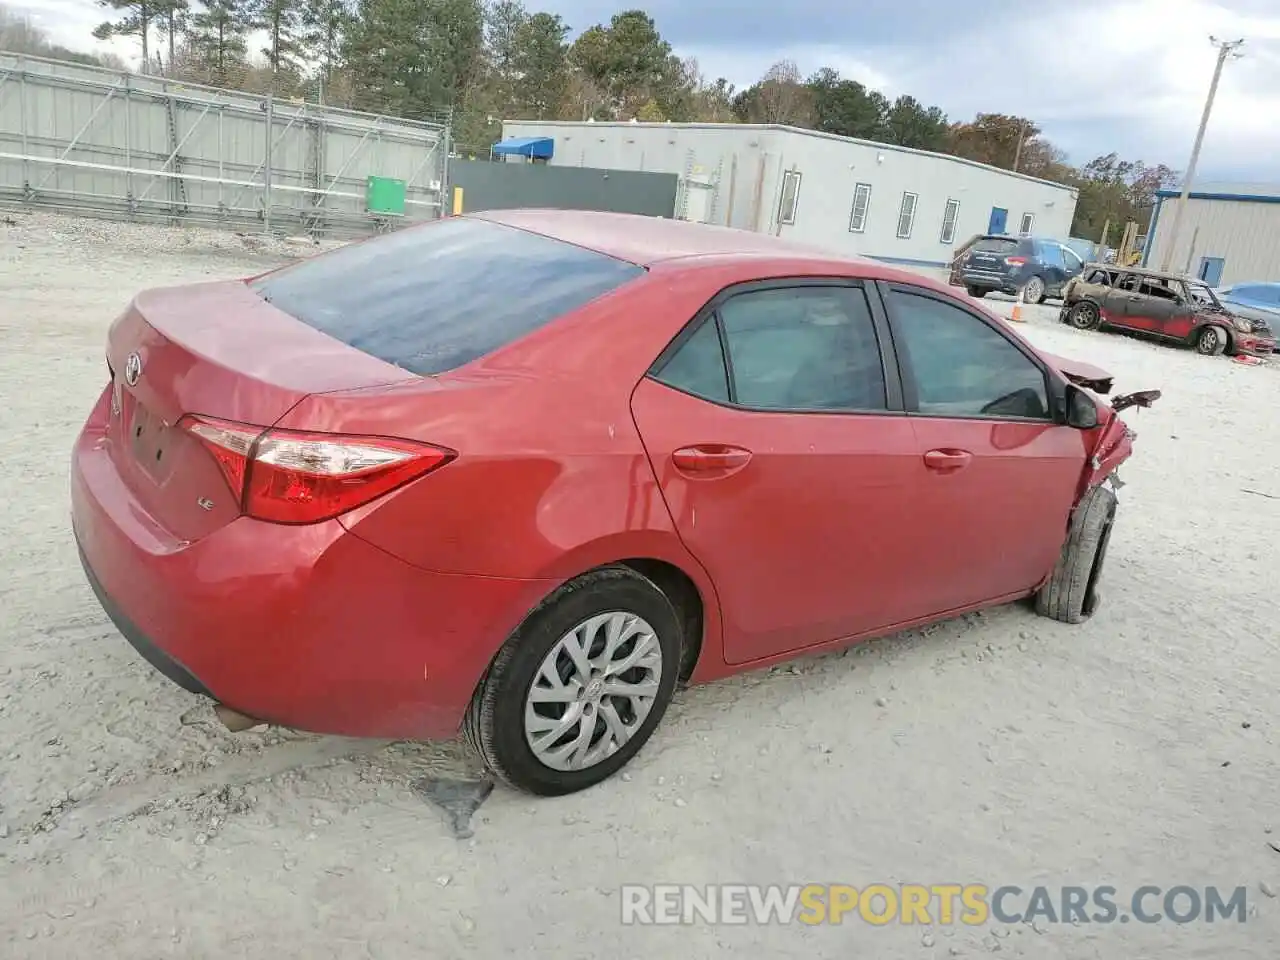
[
  {"x": 949, "y": 216},
  {"x": 1028, "y": 221},
  {"x": 861, "y": 202},
  {"x": 907, "y": 216},
  {"x": 790, "y": 196}
]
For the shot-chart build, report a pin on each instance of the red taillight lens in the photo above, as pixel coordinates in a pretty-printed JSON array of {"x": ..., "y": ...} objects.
[
  {"x": 291, "y": 476},
  {"x": 1015, "y": 261}
]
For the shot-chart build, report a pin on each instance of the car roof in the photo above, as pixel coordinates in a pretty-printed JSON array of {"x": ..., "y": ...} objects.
[
  {"x": 648, "y": 240},
  {"x": 1158, "y": 274},
  {"x": 680, "y": 244}
]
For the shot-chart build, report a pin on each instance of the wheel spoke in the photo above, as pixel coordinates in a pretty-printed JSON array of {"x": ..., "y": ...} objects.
[
  {"x": 616, "y": 732},
  {"x": 646, "y": 646},
  {"x": 550, "y": 730},
  {"x": 576, "y": 645},
  {"x": 619, "y": 688}
]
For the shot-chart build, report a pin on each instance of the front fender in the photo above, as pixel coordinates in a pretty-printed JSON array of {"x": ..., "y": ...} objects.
[{"x": 1113, "y": 446}]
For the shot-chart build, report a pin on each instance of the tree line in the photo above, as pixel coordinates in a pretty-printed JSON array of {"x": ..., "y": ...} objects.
[{"x": 478, "y": 62}]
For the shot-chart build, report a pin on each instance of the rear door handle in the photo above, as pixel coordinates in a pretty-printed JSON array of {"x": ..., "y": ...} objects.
[
  {"x": 947, "y": 461},
  {"x": 705, "y": 458}
]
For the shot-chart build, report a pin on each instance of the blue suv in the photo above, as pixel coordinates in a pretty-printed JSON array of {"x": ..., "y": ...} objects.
[{"x": 1031, "y": 268}]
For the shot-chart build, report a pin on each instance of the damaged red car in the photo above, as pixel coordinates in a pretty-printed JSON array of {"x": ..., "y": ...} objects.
[{"x": 522, "y": 473}]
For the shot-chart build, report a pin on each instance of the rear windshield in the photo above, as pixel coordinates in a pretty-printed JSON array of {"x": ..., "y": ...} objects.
[
  {"x": 433, "y": 298},
  {"x": 1003, "y": 245}
]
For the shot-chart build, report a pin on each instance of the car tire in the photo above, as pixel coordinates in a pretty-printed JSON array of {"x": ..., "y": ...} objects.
[
  {"x": 1033, "y": 291},
  {"x": 976, "y": 292},
  {"x": 1071, "y": 593},
  {"x": 1211, "y": 341},
  {"x": 503, "y": 721},
  {"x": 1085, "y": 316}
]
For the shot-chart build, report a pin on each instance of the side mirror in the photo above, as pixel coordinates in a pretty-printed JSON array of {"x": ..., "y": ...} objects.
[{"x": 1082, "y": 412}]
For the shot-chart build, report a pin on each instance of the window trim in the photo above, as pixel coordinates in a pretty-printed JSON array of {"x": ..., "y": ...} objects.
[
  {"x": 1027, "y": 228},
  {"x": 787, "y": 175},
  {"x": 911, "y": 225},
  {"x": 1055, "y": 385},
  {"x": 951, "y": 204},
  {"x": 709, "y": 313},
  {"x": 866, "y": 210}
]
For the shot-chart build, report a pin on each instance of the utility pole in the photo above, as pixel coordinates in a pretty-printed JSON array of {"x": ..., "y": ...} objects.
[
  {"x": 1226, "y": 48},
  {"x": 1022, "y": 136}
]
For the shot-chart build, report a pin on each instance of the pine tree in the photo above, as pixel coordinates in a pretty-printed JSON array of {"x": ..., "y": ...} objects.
[
  {"x": 217, "y": 37},
  {"x": 137, "y": 17}
]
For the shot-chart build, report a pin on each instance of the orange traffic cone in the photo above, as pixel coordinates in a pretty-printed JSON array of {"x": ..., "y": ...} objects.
[{"x": 1017, "y": 312}]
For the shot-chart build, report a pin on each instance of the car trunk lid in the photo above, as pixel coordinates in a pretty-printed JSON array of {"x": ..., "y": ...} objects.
[{"x": 216, "y": 350}]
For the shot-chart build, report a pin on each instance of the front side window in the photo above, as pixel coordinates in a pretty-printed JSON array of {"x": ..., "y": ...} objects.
[
  {"x": 790, "y": 197},
  {"x": 906, "y": 216},
  {"x": 962, "y": 366},
  {"x": 1072, "y": 261}
]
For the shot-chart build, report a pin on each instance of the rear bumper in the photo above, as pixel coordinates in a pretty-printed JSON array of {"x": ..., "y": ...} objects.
[
  {"x": 990, "y": 280},
  {"x": 308, "y": 627}
]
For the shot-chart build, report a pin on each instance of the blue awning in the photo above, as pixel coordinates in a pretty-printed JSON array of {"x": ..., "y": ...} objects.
[{"x": 537, "y": 148}]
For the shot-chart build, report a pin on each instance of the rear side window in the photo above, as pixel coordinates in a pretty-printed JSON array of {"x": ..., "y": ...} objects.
[
  {"x": 790, "y": 349},
  {"x": 1001, "y": 245},
  {"x": 698, "y": 367},
  {"x": 432, "y": 298},
  {"x": 1050, "y": 253}
]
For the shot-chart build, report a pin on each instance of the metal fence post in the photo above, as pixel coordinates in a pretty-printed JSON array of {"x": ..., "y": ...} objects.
[{"x": 266, "y": 164}]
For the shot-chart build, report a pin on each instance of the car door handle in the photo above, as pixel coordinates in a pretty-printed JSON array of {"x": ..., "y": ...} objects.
[
  {"x": 710, "y": 458},
  {"x": 946, "y": 461},
  {"x": 1134, "y": 296}
]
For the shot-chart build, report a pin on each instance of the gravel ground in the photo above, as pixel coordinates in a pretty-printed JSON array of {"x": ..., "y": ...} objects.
[{"x": 998, "y": 748}]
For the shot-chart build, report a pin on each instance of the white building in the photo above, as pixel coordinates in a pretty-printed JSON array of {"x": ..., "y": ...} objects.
[
  {"x": 1230, "y": 232},
  {"x": 892, "y": 203}
]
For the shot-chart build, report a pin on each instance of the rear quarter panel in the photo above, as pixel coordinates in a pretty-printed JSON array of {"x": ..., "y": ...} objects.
[{"x": 551, "y": 477}]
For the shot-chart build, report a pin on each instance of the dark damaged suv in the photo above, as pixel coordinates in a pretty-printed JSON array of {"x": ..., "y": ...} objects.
[
  {"x": 1166, "y": 306},
  {"x": 1030, "y": 268}
]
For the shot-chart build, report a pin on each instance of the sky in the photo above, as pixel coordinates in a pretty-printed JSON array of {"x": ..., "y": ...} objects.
[{"x": 1098, "y": 76}]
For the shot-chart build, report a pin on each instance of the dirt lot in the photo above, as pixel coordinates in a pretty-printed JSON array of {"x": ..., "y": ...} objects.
[{"x": 1142, "y": 748}]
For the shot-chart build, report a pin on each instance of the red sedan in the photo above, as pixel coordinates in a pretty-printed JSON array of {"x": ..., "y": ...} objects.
[{"x": 523, "y": 472}]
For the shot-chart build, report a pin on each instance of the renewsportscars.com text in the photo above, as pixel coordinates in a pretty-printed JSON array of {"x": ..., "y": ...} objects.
[{"x": 928, "y": 904}]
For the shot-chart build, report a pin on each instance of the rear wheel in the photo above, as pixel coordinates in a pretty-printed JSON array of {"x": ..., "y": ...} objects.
[
  {"x": 1085, "y": 316},
  {"x": 976, "y": 292},
  {"x": 1071, "y": 593},
  {"x": 1032, "y": 291},
  {"x": 1211, "y": 341},
  {"x": 580, "y": 686}
]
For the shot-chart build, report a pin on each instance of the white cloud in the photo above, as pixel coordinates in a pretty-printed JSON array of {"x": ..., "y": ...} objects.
[{"x": 1124, "y": 75}]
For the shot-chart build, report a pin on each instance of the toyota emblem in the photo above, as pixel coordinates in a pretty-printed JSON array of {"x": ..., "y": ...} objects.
[{"x": 132, "y": 369}]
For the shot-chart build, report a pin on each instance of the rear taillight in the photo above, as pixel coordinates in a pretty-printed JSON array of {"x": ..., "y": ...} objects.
[
  {"x": 1015, "y": 261},
  {"x": 292, "y": 476}
]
